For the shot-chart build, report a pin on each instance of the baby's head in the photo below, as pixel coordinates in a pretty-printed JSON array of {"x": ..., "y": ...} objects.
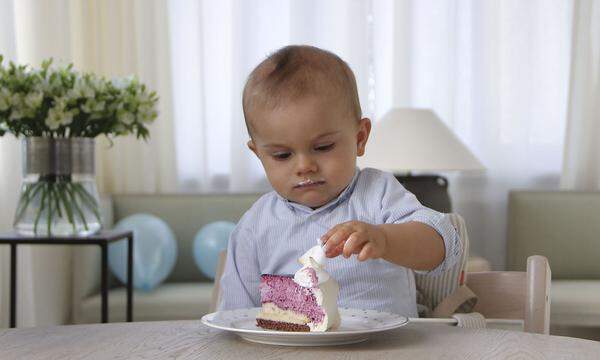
[{"x": 304, "y": 119}]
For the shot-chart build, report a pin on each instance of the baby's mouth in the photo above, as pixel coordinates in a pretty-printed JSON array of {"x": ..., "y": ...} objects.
[{"x": 308, "y": 183}]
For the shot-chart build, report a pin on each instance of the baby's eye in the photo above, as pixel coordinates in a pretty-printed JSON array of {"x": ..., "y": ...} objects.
[
  {"x": 325, "y": 147},
  {"x": 281, "y": 155}
]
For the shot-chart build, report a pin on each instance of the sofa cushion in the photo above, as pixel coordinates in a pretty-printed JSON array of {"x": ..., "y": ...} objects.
[
  {"x": 560, "y": 225},
  {"x": 169, "y": 301},
  {"x": 575, "y": 303},
  {"x": 186, "y": 214}
]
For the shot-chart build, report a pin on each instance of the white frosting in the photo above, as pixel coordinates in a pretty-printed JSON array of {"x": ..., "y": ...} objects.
[
  {"x": 317, "y": 253},
  {"x": 326, "y": 296},
  {"x": 314, "y": 258},
  {"x": 326, "y": 290}
]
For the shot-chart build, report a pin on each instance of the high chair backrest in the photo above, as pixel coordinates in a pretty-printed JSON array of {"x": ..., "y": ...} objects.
[
  {"x": 516, "y": 294},
  {"x": 434, "y": 289}
]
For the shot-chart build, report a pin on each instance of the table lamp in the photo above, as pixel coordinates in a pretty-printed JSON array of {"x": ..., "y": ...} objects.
[{"x": 410, "y": 139}]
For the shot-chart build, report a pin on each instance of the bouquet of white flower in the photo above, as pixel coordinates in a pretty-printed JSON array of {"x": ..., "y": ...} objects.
[
  {"x": 59, "y": 111},
  {"x": 61, "y": 102}
]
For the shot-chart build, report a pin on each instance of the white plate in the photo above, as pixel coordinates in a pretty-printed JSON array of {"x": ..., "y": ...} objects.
[{"x": 356, "y": 326}]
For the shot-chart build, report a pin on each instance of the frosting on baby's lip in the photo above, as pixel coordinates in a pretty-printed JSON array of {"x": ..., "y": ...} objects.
[{"x": 307, "y": 182}]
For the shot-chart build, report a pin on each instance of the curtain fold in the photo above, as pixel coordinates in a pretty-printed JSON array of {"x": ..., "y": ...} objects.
[
  {"x": 120, "y": 38},
  {"x": 8, "y": 160},
  {"x": 581, "y": 169}
]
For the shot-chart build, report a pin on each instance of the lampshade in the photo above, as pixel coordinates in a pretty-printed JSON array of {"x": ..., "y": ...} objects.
[{"x": 409, "y": 139}]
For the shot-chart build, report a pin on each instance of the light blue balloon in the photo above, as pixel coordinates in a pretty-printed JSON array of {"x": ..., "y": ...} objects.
[
  {"x": 208, "y": 243},
  {"x": 154, "y": 251}
]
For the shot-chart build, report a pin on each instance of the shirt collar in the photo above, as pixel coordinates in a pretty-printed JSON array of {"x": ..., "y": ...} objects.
[{"x": 345, "y": 194}]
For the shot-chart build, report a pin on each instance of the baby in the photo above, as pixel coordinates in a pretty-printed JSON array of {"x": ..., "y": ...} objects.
[{"x": 305, "y": 124}]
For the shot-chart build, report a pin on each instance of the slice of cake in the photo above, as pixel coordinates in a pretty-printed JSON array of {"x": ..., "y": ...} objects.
[{"x": 306, "y": 301}]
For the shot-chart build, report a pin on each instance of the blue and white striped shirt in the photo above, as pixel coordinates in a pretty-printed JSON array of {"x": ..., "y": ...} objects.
[{"x": 275, "y": 232}]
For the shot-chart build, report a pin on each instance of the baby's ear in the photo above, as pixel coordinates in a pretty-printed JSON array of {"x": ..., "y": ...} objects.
[
  {"x": 252, "y": 146},
  {"x": 364, "y": 129}
]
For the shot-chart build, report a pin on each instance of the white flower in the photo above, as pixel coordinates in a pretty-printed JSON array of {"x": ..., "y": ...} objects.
[
  {"x": 72, "y": 95},
  {"x": 93, "y": 106},
  {"x": 60, "y": 103},
  {"x": 55, "y": 83},
  {"x": 16, "y": 114},
  {"x": 88, "y": 92},
  {"x": 99, "y": 106},
  {"x": 125, "y": 117},
  {"x": 82, "y": 89},
  {"x": 146, "y": 113},
  {"x": 20, "y": 74},
  {"x": 143, "y": 97},
  {"x": 43, "y": 86},
  {"x": 16, "y": 100},
  {"x": 98, "y": 84},
  {"x": 120, "y": 83},
  {"x": 58, "y": 117},
  {"x": 34, "y": 100},
  {"x": 87, "y": 106}
]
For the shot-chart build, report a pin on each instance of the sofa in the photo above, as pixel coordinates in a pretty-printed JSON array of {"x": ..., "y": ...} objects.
[
  {"x": 563, "y": 226},
  {"x": 186, "y": 293}
]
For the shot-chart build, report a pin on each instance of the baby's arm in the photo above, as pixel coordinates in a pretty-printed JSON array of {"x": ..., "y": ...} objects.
[
  {"x": 402, "y": 230},
  {"x": 413, "y": 244},
  {"x": 239, "y": 284}
]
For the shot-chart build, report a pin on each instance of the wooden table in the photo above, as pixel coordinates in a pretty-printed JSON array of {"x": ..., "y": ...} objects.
[{"x": 193, "y": 340}]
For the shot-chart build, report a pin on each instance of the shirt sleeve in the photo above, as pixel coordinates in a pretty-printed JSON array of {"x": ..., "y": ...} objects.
[
  {"x": 400, "y": 206},
  {"x": 241, "y": 276}
]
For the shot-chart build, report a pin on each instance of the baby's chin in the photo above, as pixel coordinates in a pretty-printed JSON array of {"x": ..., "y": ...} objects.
[{"x": 313, "y": 203}]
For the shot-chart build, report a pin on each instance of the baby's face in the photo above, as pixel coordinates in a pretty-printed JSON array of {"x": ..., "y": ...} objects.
[{"x": 308, "y": 148}]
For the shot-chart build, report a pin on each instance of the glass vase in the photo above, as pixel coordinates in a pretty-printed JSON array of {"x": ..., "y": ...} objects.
[{"x": 59, "y": 196}]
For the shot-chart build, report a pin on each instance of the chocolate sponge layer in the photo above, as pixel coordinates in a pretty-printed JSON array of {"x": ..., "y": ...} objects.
[{"x": 281, "y": 326}]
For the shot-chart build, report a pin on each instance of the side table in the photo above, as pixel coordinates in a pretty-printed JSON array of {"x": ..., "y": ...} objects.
[{"x": 102, "y": 239}]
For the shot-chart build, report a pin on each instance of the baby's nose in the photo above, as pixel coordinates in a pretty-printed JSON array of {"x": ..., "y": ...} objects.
[{"x": 306, "y": 164}]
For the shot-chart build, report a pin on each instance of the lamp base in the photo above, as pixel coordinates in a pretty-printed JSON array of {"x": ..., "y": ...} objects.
[{"x": 430, "y": 190}]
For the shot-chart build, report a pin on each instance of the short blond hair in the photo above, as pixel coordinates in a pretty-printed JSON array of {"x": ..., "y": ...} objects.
[{"x": 296, "y": 71}]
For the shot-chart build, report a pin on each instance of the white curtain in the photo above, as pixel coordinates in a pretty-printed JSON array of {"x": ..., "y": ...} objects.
[
  {"x": 113, "y": 38},
  {"x": 581, "y": 170},
  {"x": 35, "y": 269},
  {"x": 497, "y": 72}
]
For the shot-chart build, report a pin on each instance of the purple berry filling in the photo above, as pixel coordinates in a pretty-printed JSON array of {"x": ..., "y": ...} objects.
[{"x": 286, "y": 294}]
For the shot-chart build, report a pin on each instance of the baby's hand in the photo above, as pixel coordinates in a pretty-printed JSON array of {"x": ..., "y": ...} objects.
[{"x": 355, "y": 237}]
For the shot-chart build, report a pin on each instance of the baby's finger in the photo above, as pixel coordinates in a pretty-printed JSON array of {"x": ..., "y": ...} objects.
[
  {"x": 325, "y": 237},
  {"x": 336, "y": 252},
  {"x": 335, "y": 240},
  {"x": 366, "y": 253},
  {"x": 354, "y": 244}
]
